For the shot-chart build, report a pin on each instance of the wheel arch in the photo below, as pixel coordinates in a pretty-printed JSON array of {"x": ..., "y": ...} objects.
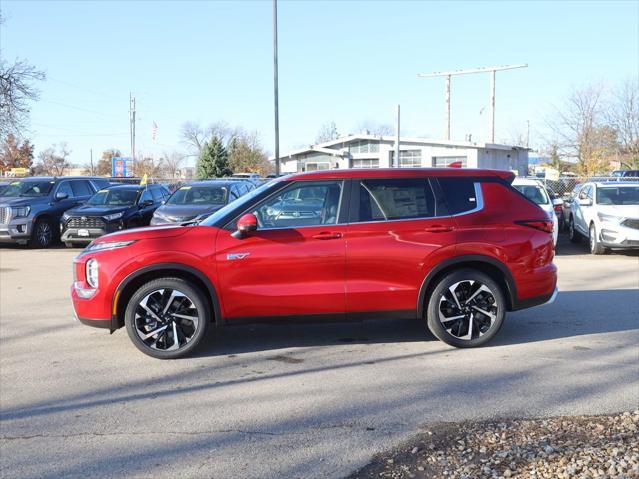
[
  {"x": 497, "y": 270},
  {"x": 133, "y": 281}
]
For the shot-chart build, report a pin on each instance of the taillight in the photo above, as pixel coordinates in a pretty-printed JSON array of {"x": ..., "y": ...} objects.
[
  {"x": 541, "y": 225},
  {"x": 557, "y": 208}
]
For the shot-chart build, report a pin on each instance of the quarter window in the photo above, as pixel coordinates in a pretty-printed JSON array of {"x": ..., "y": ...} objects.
[
  {"x": 459, "y": 194},
  {"x": 301, "y": 204},
  {"x": 393, "y": 199}
]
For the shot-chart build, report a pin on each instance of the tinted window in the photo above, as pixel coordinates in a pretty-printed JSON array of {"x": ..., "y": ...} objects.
[
  {"x": 534, "y": 193},
  {"x": 146, "y": 195},
  {"x": 618, "y": 195},
  {"x": 157, "y": 195},
  {"x": 114, "y": 197},
  {"x": 459, "y": 194},
  {"x": 81, "y": 188},
  {"x": 302, "y": 204},
  {"x": 65, "y": 187},
  {"x": 200, "y": 195},
  {"x": 391, "y": 199},
  {"x": 28, "y": 188},
  {"x": 99, "y": 183}
]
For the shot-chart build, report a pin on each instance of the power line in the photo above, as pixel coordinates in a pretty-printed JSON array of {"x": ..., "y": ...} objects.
[{"x": 73, "y": 107}]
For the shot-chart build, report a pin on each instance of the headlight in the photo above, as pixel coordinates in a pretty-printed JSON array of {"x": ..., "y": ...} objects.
[
  {"x": 114, "y": 216},
  {"x": 106, "y": 246},
  {"x": 92, "y": 272},
  {"x": 20, "y": 211},
  {"x": 64, "y": 218},
  {"x": 608, "y": 218}
]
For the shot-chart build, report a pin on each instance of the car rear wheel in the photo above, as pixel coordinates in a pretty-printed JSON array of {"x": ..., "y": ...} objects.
[
  {"x": 167, "y": 318},
  {"x": 595, "y": 245},
  {"x": 573, "y": 236},
  {"x": 466, "y": 309},
  {"x": 43, "y": 234}
]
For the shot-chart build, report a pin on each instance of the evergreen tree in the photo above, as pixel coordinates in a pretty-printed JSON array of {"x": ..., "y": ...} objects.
[{"x": 213, "y": 161}]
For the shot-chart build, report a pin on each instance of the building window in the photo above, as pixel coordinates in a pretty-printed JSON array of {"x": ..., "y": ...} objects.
[
  {"x": 450, "y": 161},
  {"x": 366, "y": 163},
  {"x": 408, "y": 158},
  {"x": 363, "y": 146},
  {"x": 317, "y": 166}
]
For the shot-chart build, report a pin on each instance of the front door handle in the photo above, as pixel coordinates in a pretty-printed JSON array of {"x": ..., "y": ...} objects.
[
  {"x": 327, "y": 235},
  {"x": 438, "y": 229}
]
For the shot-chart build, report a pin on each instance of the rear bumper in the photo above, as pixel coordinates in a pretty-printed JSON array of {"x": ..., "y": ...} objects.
[{"x": 540, "y": 284}]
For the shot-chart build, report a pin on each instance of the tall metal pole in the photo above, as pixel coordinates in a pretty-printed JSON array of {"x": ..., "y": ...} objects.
[
  {"x": 492, "y": 107},
  {"x": 397, "y": 162},
  {"x": 91, "y": 153},
  {"x": 447, "y": 128},
  {"x": 275, "y": 92},
  {"x": 132, "y": 123}
]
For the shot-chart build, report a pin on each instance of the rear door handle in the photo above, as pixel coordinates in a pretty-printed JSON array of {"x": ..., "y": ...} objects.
[
  {"x": 438, "y": 229},
  {"x": 327, "y": 235}
]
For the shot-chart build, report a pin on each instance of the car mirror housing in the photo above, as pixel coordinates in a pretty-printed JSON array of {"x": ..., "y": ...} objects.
[
  {"x": 146, "y": 203},
  {"x": 245, "y": 225},
  {"x": 61, "y": 195},
  {"x": 585, "y": 202}
]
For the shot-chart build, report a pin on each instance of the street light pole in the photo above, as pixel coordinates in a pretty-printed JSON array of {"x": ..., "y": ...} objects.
[{"x": 275, "y": 91}]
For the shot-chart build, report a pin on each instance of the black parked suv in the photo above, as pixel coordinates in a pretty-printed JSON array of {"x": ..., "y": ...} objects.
[
  {"x": 111, "y": 209},
  {"x": 30, "y": 208}
]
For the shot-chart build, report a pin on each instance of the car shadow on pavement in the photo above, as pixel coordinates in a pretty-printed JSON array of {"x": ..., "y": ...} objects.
[
  {"x": 574, "y": 313},
  {"x": 566, "y": 248}
]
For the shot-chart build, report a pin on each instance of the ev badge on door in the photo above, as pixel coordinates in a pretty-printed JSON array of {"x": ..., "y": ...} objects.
[{"x": 237, "y": 255}]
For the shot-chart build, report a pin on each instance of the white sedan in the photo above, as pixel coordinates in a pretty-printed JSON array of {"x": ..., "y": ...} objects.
[{"x": 535, "y": 191}]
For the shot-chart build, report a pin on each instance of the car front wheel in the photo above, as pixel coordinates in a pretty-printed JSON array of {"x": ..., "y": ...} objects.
[
  {"x": 573, "y": 236},
  {"x": 595, "y": 245},
  {"x": 466, "y": 309},
  {"x": 167, "y": 318},
  {"x": 43, "y": 234}
]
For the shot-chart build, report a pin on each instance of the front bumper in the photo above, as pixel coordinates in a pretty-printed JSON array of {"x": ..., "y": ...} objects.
[
  {"x": 17, "y": 231},
  {"x": 614, "y": 235},
  {"x": 86, "y": 235}
]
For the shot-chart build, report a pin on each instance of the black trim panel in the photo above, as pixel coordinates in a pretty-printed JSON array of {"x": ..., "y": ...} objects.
[
  {"x": 165, "y": 266},
  {"x": 510, "y": 282},
  {"x": 323, "y": 318},
  {"x": 532, "y": 302},
  {"x": 96, "y": 323}
]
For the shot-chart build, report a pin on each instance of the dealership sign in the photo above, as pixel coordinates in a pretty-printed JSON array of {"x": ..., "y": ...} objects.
[{"x": 120, "y": 167}]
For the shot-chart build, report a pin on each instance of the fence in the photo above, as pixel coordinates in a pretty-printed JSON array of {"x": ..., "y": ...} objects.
[{"x": 565, "y": 184}]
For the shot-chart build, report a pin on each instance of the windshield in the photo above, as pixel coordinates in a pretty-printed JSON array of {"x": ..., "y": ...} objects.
[
  {"x": 116, "y": 197},
  {"x": 534, "y": 193},
  {"x": 28, "y": 188},
  {"x": 239, "y": 203},
  {"x": 199, "y": 195},
  {"x": 619, "y": 195}
]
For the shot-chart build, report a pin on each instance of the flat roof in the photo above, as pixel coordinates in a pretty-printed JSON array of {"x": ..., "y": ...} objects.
[{"x": 395, "y": 173}]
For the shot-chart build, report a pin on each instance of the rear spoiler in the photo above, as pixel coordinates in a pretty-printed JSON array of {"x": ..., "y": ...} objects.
[{"x": 507, "y": 176}]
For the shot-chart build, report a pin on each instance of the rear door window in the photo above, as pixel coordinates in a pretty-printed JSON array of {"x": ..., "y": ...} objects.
[
  {"x": 81, "y": 188},
  {"x": 65, "y": 187},
  {"x": 395, "y": 199},
  {"x": 460, "y": 194}
]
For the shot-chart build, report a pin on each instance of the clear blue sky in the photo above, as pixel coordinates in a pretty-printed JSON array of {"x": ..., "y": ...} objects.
[{"x": 343, "y": 61}]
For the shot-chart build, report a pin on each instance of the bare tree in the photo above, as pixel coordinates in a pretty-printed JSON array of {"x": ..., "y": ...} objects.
[
  {"x": 581, "y": 131},
  {"x": 327, "y": 132},
  {"x": 623, "y": 116},
  {"x": 171, "y": 164},
  {"x": 194, "y": 136},
  {"x": 54, "y": 162},
  {"x": 16, "y": 92},
  {"x": 376, "y": 129}
]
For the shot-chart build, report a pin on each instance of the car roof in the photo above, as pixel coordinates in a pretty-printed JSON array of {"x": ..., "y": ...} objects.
[
  {"x": 57, "y": 178},
  {"x": 224, "y": 182},
  {"x": 600, "y": 184},
  {"x": 527, "y": 181},
  {"x": 396, "y": 173},
  {"x": 128, "y": 187}
]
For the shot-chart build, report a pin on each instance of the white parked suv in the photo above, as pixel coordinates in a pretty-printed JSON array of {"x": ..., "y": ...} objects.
[
  {"x": 607, "y": 213},
  {"x": 536, "y": 192}
]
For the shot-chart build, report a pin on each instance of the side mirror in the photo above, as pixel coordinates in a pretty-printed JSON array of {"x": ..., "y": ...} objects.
[
  {"x": 245, "y": 224},
  {"x": 146, "y": 203},
  {"x": 61, "y": 195},
  {"x": 585, "y": 202},
  {"x": 557, "y": 201}
]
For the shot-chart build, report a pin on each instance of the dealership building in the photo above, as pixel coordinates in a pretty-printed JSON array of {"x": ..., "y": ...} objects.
[{"x": 370, "y": 151}]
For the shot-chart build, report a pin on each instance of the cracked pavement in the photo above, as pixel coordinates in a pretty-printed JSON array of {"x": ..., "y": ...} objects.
[{"x": 289, "y": 400}]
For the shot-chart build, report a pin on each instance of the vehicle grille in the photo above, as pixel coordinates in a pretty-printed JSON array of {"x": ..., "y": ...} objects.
[
  {"x": 4, "y": 214},
  {"x": 631, "y": 223},
  {"x": 85, "y": 222}
]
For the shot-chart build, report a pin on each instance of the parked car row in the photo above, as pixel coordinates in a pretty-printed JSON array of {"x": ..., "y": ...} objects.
[{"x": 39, "y": 211}]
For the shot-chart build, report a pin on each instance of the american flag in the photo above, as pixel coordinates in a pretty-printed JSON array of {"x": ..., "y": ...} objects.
[{"x": 154, "y": 131}]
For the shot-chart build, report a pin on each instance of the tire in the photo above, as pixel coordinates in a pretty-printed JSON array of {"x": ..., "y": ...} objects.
[
  {"x": 43, "y": 235},
  {"x": 68, "y": 244},
  {"x": 168, "y": 297},
  {"x": 595, "y": 246},
  {"x": 482, "y": 294},
  {"x": 573, "y": 235}
]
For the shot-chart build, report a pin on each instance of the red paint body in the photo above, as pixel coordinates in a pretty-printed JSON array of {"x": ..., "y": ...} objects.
[{"x": 336, "y": 269}]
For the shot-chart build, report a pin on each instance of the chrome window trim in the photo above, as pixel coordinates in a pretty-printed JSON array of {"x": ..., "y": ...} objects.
[{"x": 479, "y": 197}]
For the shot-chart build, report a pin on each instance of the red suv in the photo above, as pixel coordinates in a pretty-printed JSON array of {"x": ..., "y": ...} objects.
[{"x": 457, "y": 248}]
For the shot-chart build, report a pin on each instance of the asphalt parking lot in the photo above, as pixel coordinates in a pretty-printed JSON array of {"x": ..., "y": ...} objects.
[{"x": 292, "y": 400}]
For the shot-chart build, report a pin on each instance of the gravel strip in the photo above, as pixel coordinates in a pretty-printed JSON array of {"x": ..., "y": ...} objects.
[{"x": 562, "y": 447}]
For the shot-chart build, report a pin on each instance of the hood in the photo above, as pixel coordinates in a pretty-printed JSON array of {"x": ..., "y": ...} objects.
[
  {"x": 624, "y": 211},
  {"x": 23, "y": 200},
  {"x": 180, "y": 213},
  {"x": 89, "y": 210},
  {"x": 145, "y": 232}
]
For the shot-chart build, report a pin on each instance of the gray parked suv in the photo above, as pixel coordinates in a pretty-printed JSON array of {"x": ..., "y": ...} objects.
[{"x": 30, "y": 208}]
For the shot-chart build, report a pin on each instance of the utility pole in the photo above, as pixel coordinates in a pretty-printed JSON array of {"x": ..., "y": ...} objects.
[
  {"x": 527, "y": 133},
  {"x": 132, "y": 124},
  {"x": 275, "y": 91},
  {"x": 397, "y": 162},
  {"x": 492, "y": 71},
  {"x": 92, "y": 171}
]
